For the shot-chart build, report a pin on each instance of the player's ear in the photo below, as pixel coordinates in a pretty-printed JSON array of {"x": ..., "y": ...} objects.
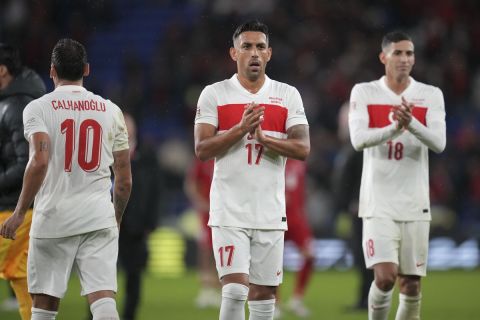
[
  {"x": 86, "y": 69},
  {"x": 269, "y": 50},
  {"x": 233, "y": 54},
  {"x": 53, "y": 72},
  {"x": 382, "y": 57}
]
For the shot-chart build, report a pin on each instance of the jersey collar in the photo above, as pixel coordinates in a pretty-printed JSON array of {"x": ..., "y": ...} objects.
[
  {"x": 383, "y": 83},
  {"x": 70, "y": 88},
  {"x": 237, "y": 84}
]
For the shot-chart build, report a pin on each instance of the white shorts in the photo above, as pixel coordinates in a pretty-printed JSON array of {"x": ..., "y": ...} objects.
[
  {"x": 258, "y": 253},
  {"x": 404, "y": 243},
  {"x": 93, "y": 254}
]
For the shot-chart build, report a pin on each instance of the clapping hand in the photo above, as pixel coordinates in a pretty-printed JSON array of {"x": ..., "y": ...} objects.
[
  {"x": 252, "y": 117},
  {"x": 403, "y": 113}
]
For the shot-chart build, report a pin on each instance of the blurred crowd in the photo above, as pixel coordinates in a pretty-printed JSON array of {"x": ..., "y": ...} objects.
[{"x": 153, "y": 57}]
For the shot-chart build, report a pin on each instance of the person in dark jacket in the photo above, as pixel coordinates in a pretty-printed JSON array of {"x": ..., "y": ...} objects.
[
  {"x": 139, "y": 220},
  {"x": 18, "y": 86},
  {"x": 346, "y": 179}
]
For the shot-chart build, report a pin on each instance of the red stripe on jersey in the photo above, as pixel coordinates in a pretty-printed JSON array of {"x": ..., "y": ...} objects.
[
  {"x": 421, "y": 114},
  {"x": 378, "y": 115},
  {"x": 275, "y": 116}
]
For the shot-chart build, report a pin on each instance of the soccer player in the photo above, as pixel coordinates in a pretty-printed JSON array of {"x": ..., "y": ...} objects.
[
  {"x": 197, "y": 188},
  {"x": 395, "y": 121},
  {"x": 18, "y": 86},
  {"x": 299, "y": 232},
  {"x": 250, "y": 124},
  {"x": 74, "y": 136}
]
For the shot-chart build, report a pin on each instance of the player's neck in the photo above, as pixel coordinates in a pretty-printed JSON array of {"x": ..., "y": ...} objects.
[
  {"x": 397, "y": 85},
  {"x": 251, "y": 86},
  {"x": 62, "y": 82}
]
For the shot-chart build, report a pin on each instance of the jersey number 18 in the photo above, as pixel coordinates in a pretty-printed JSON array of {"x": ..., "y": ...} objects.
[{"x": 395, "y": 150}]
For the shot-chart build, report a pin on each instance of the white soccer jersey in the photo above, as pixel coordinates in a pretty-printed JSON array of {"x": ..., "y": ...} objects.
[
  {"x": 248, "y": 187},
  {"x": 84, "y": 131},
  {"x": 395, "y": 180}
]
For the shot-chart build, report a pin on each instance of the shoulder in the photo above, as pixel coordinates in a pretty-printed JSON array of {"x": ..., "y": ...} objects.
[
  {"x": 428, "y": 89},
  {"x": 366, "y": 87},
  {"x": 213, "y": 92},
  {"x": 220, "y": 85},
  {"x": 283, "y": 87},
  {"x": 33, "y": 105},
  {"x": 110, "y": 105}
]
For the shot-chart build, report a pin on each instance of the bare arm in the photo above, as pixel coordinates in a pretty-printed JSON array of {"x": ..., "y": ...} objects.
[
  {"x": 209, "y": 144},
  {"x": 32, "y": 181},
  {"x": 122, "y": 182},
  {"x": 296, "y": 146}
]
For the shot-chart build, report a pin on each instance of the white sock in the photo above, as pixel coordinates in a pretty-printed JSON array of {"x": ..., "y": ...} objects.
[
  {"x": 104, "y": 309},
  {"x": 261, "y": 309},
  {"x": 234, "y": 296},
  {"x": 378, "y": 303},
  {"x": 409, "y": 307},
  {"x": 40, "y": 314}
]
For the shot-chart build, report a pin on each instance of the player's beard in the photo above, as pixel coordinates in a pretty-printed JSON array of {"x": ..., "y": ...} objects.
[{"x": 254, "y": 75}]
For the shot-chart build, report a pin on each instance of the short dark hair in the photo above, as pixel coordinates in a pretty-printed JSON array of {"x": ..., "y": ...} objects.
[
  {"x": 394, "y": 37},
  {"x": 10, "y": 57},
  {"x": 253, "y": 25},
  {"x": 69, "y": 58}
]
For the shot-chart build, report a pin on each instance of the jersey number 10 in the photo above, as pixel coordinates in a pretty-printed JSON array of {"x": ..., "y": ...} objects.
[{"x": 89, "y": 144}]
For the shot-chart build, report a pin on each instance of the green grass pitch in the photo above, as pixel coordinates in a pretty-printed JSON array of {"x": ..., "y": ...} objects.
[{"x": 450, "y": 295}]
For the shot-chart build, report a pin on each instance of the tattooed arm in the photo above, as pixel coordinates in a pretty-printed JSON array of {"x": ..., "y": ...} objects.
[
  {"x": 122, "y": 182},
  {"x": 32, "y": 181}
]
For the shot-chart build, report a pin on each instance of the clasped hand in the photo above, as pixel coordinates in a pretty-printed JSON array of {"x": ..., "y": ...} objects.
[
  {"x": 403, "y": 114},
  {"x": 252, "y": 118}
]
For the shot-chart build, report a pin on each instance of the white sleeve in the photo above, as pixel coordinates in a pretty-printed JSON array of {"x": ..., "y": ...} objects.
[
  {"x": 207, "y": 107},
  {"x": 121, "y": 133},
  {"x": 361, "y": 135},
  {"x": 296, "y": 112},
  {"x": 33, "y": 120},
  {"x": 434, "y": 134}
]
